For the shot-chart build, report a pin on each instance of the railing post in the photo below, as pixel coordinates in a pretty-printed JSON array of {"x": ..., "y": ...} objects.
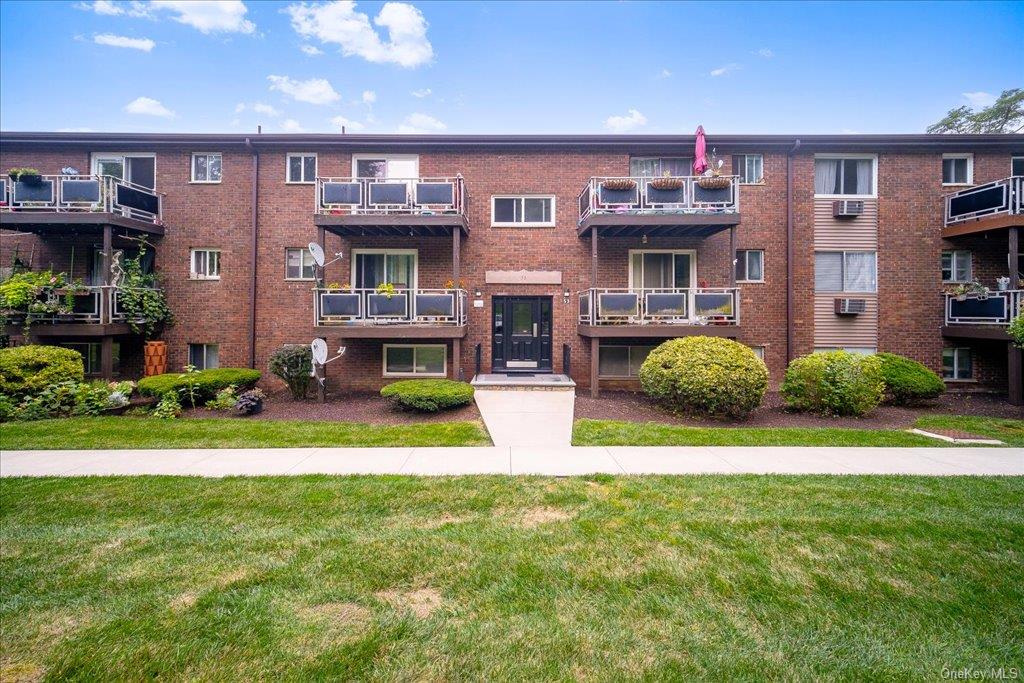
[
  {"x": 477, "y": 352},
  {"x": 567, "y": 360}
]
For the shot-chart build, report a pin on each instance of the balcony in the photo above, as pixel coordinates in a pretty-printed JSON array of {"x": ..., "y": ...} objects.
[
  {"x": 995, "y": 205},
  {"x": 413, "y": 313},
  {"x": 60, "y": 200},
  {"x": 384, "y": 207},
  {"x": 981, "y": 316},
  {"x": 710, "y": 311},
  {"x": 678, "y": 206},
  {"x": 83, "y": 311}
]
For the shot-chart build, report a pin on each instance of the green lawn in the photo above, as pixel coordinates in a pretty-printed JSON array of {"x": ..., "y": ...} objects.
[
  {"x": 615, "y": 433},
  {"x": 492, "y": 578},
  {"x": 139, "y": 432}
]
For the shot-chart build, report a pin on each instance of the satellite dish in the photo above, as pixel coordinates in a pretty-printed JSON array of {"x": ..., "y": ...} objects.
[
  {"x": 319, "y": 348},
  {"x": 318, "y": 254}
]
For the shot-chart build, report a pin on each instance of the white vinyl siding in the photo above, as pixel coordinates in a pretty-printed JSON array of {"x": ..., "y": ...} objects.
[
  {"x": 523, "y": 211},
  {"x": 957, "y": 169},
  {"x": 845, "y": 176},
  {"x": 750, "y": 265},
  {"x": 207, "y": 167},
  {"x": 298, "y": 264},
  {"x": 301, "y": 168},
  {"x": 957, "y": 364},
  {"x": 845, "y": 271},
  {"x": 205, "y": 264},
  {"x": 204, "y": 356},
  {"x": 862, "y": 350},
  {"x": 415, "y": 360},
  {"x": 956, "y": 266}
]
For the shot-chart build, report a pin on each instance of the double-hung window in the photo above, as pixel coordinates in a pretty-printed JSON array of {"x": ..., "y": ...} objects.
[
  {"x": 956, "y": 266},
  {"x": 750, "y": 168},
  {"x": 957, "y": 169},
  {"x": 298, "y": 264},
  {"x": 206, "y": 167},
  {"x": 844, "y": 176},
  {"x": 845, "y": 271},
  {"x": 415, "y": 360},
  {"x": 204, "y": 356},
  {"x": 750, "y": 265},
  {"x": 301, "y": 168},
  {"x": 205, "y": 264},
  {"x": 956, "y": 364},
  {"x": 523, "y": 211}
]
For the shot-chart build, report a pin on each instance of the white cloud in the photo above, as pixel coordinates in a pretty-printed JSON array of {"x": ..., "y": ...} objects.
[
  {"x": 665, "y": 73},
  {"x": 421, "y": 123},
  {"x": 105, "y": 7},
  {"x": 147, "y": 106},
  {"x": 261, "y": 108},
  {"x": 208, "y": 16},
  {"x": 369, "y": 97},
  {"x": 765, "y": 53},
  {"x": 311, "y": 50},
  {"x": 621, "y": 124},
  {"x": 980, "y": 99},
  {"x": 348, "y": 124},
  {"x": 144, "y": 44},
  {"x": 725, "y": 69},
  {"x": 338, "y": 22},
  {"x": 314, "y": 90},
  {"x": 240, "y": 107},
  {"x": 291, "y": 126},
  {"x": 421, "y": 93}
]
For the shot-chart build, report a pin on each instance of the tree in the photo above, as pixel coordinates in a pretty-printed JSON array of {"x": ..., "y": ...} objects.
[{"x": 1006, "y": 115}]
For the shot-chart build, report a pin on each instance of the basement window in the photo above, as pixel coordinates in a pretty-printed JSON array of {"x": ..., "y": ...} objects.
[{"x": 415, "y": 360}]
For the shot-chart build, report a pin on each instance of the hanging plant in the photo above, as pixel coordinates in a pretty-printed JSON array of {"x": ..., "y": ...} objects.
[
  {"x": 618, "y": 184},
  {"x": 142, "y": 301},
  {"x": 666, "y": 183}
]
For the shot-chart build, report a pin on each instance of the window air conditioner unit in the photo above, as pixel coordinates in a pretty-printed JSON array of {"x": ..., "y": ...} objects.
[
  {"x": 850, "y": 306},
  {"x": 847, "y": 208}
]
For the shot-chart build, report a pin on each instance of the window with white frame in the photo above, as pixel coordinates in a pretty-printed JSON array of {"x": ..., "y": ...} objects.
[
  {"x": 91, "y": 357},
  {"x": 415, "y": 360},
  {"x": 957, "y": 364},
  {"x": 301, "y": 168},
  {"x": 298, "y": 264},
  {"x": 206, "y": 167},
  {"x": 621, "y": 361},
  {"x": 956, "y": 266},
  {"x": 758, "y": 351},
  {"x": 205, "y": 264},
  {"x": 1017, "y": 166},
  {"x": 957, "y": 169},
  {"x": 373, "y": 267},
  {"x": 662, "y": 269},
  {"x": 656, "y": 167},
  {"x": 750, "y": 168},
  {"x": 845, "y": 176},
  {"x": 204, "y": 356},
  {"x": 750, "y": 265},
  {"x": 845, "y": 271},
  {"x": 523, "y": 211}
]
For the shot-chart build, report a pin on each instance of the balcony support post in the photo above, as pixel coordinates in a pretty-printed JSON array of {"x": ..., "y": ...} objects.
[
  {"x": 1011, "y": 259},
  {"x": 456, "y": 248},
  {"x": 321, "y": 239},
  {"x": 1014, "y": 378},
  {"x": 457, "y": 359},
  {"x": 732, "y": 256},
  {"x": 107, "y": 357},
  {"x": 594, "y": 346},
  {"x": 593, "y": 257},
  {"x": 107, "y": 311}
]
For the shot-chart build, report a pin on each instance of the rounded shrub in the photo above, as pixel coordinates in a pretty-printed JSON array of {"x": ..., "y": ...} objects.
[
  {"x": 834, "y": 383},
  {"x": 202, "y": 384},
  {"x": 293, "y": 363},
  {"x": 908, "y": 382},
  {"x": 28, "y": 370},
  {"x": 428, "y": 395},
  {"x": 1016, "y": 329},
  {"x": 705, "y": 376}
]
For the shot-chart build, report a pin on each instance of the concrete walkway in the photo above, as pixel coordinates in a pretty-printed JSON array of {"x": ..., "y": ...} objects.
[
  {"x": 549, "y": 460},
  {"x": 527, "y": 418}
]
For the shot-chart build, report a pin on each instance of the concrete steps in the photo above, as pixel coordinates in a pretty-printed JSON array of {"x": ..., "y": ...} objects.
[{"x": 537, "y": 382}]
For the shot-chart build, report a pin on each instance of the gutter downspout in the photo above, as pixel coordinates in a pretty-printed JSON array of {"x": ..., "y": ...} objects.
[
  {"x": 789, "y": 251},
  {"x": 252, "y": 251}
]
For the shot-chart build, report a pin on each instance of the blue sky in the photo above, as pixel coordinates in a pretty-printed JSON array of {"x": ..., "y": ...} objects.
[{"x": 464, "y": 67}]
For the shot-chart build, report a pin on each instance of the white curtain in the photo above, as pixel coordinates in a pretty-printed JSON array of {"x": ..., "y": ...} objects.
[
  {"x": 864, "y": 176},
  {"x": 825, "y": 172},
  {"x": 860, "y": 271}
]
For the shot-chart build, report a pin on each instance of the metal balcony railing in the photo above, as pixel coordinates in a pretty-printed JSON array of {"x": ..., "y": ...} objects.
[
  {"x": 653, "y": 196},
  {"x": 997, "y": 308},
  {"x": 404, "y": 306},
  {"x": 1004, "y": 196},
  {"x": 391, "y": 196},
  {"x": 88, "y": 305},
  {"x": 81, "y": 193},
  {"x": 693, "y": 306}
]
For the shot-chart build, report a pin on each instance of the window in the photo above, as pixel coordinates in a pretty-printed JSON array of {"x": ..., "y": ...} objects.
[
  {"x": 372, "y": 267},
  {"x": 1017, "y": 166},
  {"x": 750, "y": 168},
  {"x": 844, "y": 176},
  {"x": 206, "y": 168},
  {"x": 750, "y": 265},
  {"x": 523, "y": 212},
  {"x": 422, "y": 360},
  {"x": 91, "y": 357},
  {"x": 139, "y": 168},
  {"x": 397, "y": 166},
  {"x": 956, "y": 266},
  {"x": 298, "y": 264},
  {"x": 758, "y": 351},
  {"x": 655, "y": 167},
  {"x": 661, "y": 269},
  {"x": 301, "y": 168},
  {"x": 956, "y": 364},
  {"x": 205, "y": 264},
  {"x": 204, "y": 356},
  {"x": 621, "y": 361},
  {"x": 844, "y": 271},
  {"x": 957, "y": 169}
]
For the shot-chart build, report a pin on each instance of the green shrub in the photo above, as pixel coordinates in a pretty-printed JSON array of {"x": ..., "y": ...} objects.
[
  {"x": 204, "y": 383},
  {"x": 27, "y": 370},
  {"x": 1016, "y": 329},
  {"x": 225, "y": 399},
  {"x": 293, "y": 363},
  {"x": 705, "y": 376},
  {"x": 908, "y": 382},
  {"x": 428, "y": 395},
  {"x": 8, "y": 408},
  {"x": 168, "y": 408},
  {"x": 834, "y": 383}
]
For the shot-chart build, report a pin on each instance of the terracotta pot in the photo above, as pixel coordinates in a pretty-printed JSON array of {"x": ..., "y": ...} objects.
[{"x": 155, "y": 354}]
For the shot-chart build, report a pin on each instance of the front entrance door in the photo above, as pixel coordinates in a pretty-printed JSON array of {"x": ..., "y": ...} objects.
[{"x": 522, "y": 334}]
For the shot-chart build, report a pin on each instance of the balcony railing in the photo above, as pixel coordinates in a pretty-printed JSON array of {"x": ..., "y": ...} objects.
[
  {"x": 694, "y": 306},
  {"x": 998, "y": 308},
  {"x": 1004, "y": 196},
  {"x": 81, "y": 193},
  {"x": 677, "y": 195},
  {"x": 88, "y": 305},
  {"x": 391, "y": 196},
  {"x": 403, "y": 307}
]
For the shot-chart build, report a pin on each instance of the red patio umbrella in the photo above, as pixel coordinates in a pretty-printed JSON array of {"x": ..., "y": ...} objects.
[{"x": 700, "y": 153}]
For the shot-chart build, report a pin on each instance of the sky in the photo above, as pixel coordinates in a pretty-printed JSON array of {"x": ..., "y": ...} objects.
[{"x": 501, "y": 67}]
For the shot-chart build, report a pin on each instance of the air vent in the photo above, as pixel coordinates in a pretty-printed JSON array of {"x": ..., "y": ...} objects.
[
  {"x": 850, "y": 306},
  {"x": 847, "y": 208}
]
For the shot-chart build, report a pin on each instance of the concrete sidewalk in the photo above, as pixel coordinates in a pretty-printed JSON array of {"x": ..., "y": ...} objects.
[
  {"x": 527, "y": 418},
  {"x": 558, "y": 461}
]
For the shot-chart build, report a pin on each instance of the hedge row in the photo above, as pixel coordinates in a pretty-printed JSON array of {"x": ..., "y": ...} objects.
[{"x": 204, "y": 383}]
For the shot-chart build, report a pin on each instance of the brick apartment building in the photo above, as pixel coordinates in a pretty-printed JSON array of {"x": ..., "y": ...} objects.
[{"x": 566, "y": 254}]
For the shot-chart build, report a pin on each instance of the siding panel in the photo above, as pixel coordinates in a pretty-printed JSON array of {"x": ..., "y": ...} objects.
[
  {"x": 846, "y": 233},
  {"x": 845, "y": 330}
]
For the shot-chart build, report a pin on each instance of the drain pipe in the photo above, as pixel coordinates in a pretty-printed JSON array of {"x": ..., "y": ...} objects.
[
  {"x": 789, "y": 251},
  {"x": 252, "y": 251}
]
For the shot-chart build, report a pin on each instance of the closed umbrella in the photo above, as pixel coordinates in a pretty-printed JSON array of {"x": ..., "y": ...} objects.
[{"x": 700, "y": 153}]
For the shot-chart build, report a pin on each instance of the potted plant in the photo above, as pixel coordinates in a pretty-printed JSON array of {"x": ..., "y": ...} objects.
[
  {"x": 29, "y": 176},
  {"x": 1002, "y": 283},
  {"x": 972, "y": 289},
  {"x": 713, "y": 178},
  {"x": 386, "y": 289},
  {"x": 618, "y": 184},
  {"x": 666, "y": 183}
]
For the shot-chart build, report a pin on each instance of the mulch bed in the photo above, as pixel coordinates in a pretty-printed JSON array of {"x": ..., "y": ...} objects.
[
  {"x": 635, "y": 407},
  {"x": 357, "y": 407}
]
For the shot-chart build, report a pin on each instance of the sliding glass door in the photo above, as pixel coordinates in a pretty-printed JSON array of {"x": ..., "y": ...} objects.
[
  {"x": 661, "y": 269},
  {"x": 371, "y": 268}
]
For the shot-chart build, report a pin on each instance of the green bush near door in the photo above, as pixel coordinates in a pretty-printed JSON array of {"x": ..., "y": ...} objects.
[
  {"x": 834, "y": 383},
  {"x": 428, "y": 395}
]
